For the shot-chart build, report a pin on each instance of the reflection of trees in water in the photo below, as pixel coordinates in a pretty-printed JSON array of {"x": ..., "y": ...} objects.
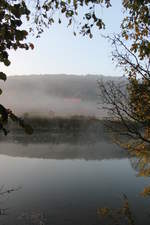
[
  {"x": 5, "y": 192},
  {"x": 60, "y": 130},
  {"x": 72, "y": 137},
  {"x": 93, "y": 151},
  {"x": 140, "y": 162},
  {"x": 139, "y": 165},
  {"x": 33, "y": 218},
  {"x": 141, "y": 158},
  {"x": 119, "y": 216}
]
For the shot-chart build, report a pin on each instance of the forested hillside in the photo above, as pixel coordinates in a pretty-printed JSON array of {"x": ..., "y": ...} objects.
[{"x": 53, "y": 94}]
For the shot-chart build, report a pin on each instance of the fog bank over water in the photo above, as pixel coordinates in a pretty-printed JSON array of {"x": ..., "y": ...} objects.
[{"x": 50, "y": 95}]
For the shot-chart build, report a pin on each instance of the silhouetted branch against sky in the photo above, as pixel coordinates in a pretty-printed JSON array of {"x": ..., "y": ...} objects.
[{"x": 59, "y": 51}]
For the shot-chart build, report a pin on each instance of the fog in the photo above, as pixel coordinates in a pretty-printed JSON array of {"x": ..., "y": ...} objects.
[{"x": 53, "y": 95}]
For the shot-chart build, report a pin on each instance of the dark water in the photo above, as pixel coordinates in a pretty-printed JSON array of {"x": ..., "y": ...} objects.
[{"x": 65, "y": 183}]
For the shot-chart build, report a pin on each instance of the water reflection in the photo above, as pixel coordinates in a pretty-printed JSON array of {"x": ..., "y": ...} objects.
[
  {"x": 140, "y": 162},
  {"x": 95, "y": 151},
  {"x": 90, "y": 134},
  {"x": 68, "y": 191},
  {"x": 65, "y": 183}
]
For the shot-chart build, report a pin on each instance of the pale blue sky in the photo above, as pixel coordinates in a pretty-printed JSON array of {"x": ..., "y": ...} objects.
[{"x": 58, "y": 51}]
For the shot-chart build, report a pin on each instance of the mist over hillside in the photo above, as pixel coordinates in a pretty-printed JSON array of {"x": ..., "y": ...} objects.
[{"x": 50, "y": 95}]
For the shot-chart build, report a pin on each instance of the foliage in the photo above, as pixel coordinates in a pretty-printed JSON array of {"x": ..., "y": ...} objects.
[
  {"x": 80, "y": 14},
  {"x": 132, "y": 110},
  {"x": 129, "y": 103},
  {"x": 135, "y": 26},
  {"x": 7, "y": 113},
  {"x": 120, "y": 216},
  {"x": 12, "y": 36},
  {"x": 127, "y": 114}
]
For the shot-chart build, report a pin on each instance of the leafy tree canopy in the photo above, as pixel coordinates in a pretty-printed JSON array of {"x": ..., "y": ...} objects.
[
  {"x": 131, "y": 108},
  {"x": 136, "y": 26}
]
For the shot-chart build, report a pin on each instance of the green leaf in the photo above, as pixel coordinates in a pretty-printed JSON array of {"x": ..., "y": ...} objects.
[{"x": 3, "y": 76}]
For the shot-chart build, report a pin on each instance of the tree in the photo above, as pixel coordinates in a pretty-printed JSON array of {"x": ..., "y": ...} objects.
[
  {"x": 136, "y": 26},
  {"x": 82, "y": 15},
  {"x": 119, "y": 216},
  {"x": 11, "y": 37},
  {"x": 129, "y": 103}
]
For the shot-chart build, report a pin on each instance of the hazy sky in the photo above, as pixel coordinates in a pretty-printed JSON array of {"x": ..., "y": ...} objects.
[{"x": 58, "y": 51}]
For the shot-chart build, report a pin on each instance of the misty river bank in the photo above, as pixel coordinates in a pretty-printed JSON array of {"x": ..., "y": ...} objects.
[
  {"x": 75, "y": 129},
  {"x": 75, "y": 137}
]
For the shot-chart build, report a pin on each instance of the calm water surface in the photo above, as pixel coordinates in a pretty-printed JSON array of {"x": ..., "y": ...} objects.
[{"x": 65, "y": 183}]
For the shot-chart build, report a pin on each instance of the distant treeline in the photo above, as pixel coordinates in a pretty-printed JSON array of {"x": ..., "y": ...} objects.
[
  {"x": 75, "y": 129},
  {"x": 84, "y": 87},
  {"x": 62, "y": 124},
  {"x": 61, "y": 94}
]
